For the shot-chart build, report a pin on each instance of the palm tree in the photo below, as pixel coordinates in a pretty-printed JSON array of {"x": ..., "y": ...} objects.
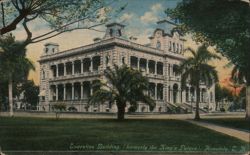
[
  {"x": 124, "y": 85},
  {"x": 14, "y": 66},
  {"x": 196, "y": 70}
]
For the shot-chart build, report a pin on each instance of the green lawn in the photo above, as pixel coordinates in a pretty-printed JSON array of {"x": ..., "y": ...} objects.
[
  {"x": 238, "y": 123},
  {"x": 73, "y": 134}
]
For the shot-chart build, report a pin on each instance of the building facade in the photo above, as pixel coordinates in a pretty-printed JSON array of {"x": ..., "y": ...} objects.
[{"x": 68, "y": 76}]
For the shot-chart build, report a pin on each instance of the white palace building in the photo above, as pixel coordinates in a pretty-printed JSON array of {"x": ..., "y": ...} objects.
[{"x": 67, "y": 76}]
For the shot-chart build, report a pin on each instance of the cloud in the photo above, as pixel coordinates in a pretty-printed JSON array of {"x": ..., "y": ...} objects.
[
  {"x": 148, "y": 17},
  {"x": 156, "y": 7},
  {"x": 126, "y": 17},
  {"x": 153, "y": 14}
]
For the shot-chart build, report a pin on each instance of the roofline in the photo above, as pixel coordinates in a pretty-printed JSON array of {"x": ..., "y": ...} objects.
[
  {"x": 109, "y": 42},
  {"x": 115, "y": 23},
  {"x": 51, "y": 43}
]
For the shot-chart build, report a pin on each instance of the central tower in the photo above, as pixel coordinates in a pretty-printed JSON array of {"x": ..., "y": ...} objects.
[{"x": 114, "y": 30}]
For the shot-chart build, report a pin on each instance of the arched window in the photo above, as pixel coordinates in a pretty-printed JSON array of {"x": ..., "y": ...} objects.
[
  {"x": 158, "y": 45},
  {"x": 123, "y": 60}
]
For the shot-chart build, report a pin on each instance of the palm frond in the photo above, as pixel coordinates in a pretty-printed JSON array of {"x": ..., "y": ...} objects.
[
  {"x": 100, "y": 96},
  {"x": 192, "y": 51}
]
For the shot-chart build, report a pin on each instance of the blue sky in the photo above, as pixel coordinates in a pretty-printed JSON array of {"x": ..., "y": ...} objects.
[{"x": 140, "y": 16}]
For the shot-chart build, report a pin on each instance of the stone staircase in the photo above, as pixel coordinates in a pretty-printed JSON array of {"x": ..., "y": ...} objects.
[{"x": 189, "y": 107}]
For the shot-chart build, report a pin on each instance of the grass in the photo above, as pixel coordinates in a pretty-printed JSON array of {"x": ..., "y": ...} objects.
[
  {"x": 238, "y": 123},
  {"x": 73, "y": 134}
]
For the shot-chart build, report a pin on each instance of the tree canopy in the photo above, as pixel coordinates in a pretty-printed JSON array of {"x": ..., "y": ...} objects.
[
  {"x": 13, "y": 61},
  {"x": 124, "y": 86},
  {"x": 224, "y": 24},
  {"x": 60, "y": 15}
]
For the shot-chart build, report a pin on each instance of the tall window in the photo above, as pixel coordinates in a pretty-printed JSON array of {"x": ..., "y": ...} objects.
[
  {"x": 46, "y": 50},
  {"x": 158, "y": 45},
  {"x": 123, "y": 60},
  {"x": 111, "y": 32},
  {"x": 43, "y": 74},
  {"x": 119, "y": 32},
  {"x": 170, "y": 46},
  {"x": 107, "y": 60}
]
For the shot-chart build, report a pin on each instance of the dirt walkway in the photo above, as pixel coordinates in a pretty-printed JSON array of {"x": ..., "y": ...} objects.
[{"x": 242, "y": 135}]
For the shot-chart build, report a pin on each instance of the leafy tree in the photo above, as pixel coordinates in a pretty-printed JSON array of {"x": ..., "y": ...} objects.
[
  {"x": 222, "y": 23},
  {"x": 14, "y": 66},
  {"x": 124, "y": 86},
  {"x": 222, "y": 93},
  {"x": 58, "y": 108},
  {"x": 3, "y": 95},
  {"x": 61, "y": 15},
  {"x": 196, "y": 70},
  {"x": 31, "y": 92}
]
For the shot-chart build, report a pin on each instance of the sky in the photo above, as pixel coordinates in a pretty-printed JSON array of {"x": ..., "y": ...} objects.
[{"x": 139, "y": 16}]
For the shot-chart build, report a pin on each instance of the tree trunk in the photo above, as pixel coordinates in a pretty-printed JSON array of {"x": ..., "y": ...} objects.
[
  {"x": 248, "y": 102},
  {"x": 121, "y": 111},
  {"x": 197, "y": 114},
  {"x": 10, "y": 87}
]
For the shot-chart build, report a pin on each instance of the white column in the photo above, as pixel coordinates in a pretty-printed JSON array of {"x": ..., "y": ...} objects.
[
  {"x": 166, "y": 93},
  {"x": 91, "y": 65},
  {"x": 49, "y": 94},
  {"x": 155, "y": 91},
  {"x": 73, "y": 91},
  {"x": 64, "y": 91},
  {"x": 171, "y": 95},
  {"x": 81, "y": 90},
  {"x": 138, "y": 63},
  {"x": 56, "y": 92},
  {"x": 64, "y": 68},
  {"x": 91, "y": 88}
]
